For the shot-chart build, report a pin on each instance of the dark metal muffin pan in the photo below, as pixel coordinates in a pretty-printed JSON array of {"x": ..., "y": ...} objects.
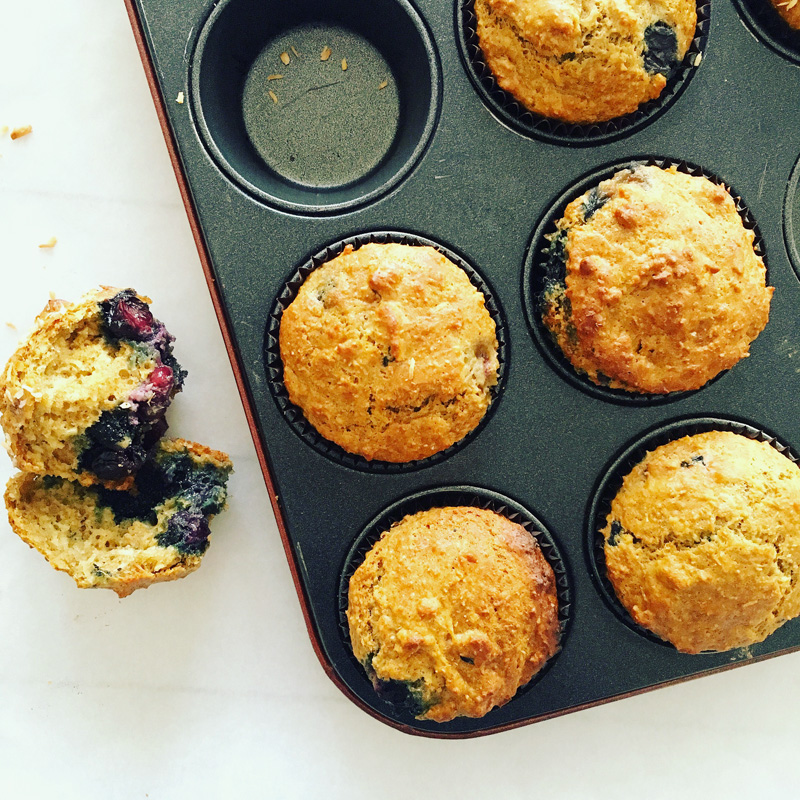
[{"x": 461, "y": 176}]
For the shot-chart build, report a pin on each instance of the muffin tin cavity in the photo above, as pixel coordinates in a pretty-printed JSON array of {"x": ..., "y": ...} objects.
[
  {"x": 544, "y": 265},
  {"x": 659, "y": 38},
  {"x": 791, "y": 218},
  {"x": 315, "y": 107},
  {"x": 389, "y": 707},
  {"x": 611, "y": 481},
  {"x": 769, "y": 27},
  {"x": 274, "y": 365}
]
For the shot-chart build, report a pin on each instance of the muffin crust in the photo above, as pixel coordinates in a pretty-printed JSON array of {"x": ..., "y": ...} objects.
[
  {"x": 452, "y": 611},
  {"x": 390, "y": 352},
  {"x": 586, "y": 61},
  {"x": 702, "y": 544},
  {"x": 661, "y": 288}
]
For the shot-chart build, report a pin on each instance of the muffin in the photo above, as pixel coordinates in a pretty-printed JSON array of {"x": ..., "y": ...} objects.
[
  {"x": 653, "y": 283},
  {"x": 390, "y": 352},
  {"x": 702, "y": 544},
  {"x": 584, "y": 63},
  {"x": 84, "y": 395},
  {"x": 452, "y": 611},
  {"x": 790, "y": 11},
  {"x": 125, "y": 540}
]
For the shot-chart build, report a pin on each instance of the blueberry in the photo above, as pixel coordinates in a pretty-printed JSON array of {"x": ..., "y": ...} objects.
[
  {"x": 694, "y": 460},
  {"x": 127, "y": 317},
  {"x": 556, "y": 257},
  {"x": 403, "y": 695},
  {"x": 616, "y": 531},
  {"x": 112, "y": 429},
  {"x": 660, "y": 48},
  {"x": 114, "y": 465},
  {"x": 594, "y": 201},
  {"x": 187, "y": 531}
]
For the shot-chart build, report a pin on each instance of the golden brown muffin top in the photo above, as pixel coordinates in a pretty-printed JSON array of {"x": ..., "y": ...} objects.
[
  {"x": 702, "y": 544},
  {"x": 390, "y": 352},
  {"x": 663, "y": 288},
  {"x": 72, "y": 527},
  {"x": 585, "y": 61},
  {"x": 458, "y": 606}
]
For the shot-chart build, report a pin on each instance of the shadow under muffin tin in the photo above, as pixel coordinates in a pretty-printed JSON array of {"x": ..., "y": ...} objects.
[{"x": 446, "y": 166}]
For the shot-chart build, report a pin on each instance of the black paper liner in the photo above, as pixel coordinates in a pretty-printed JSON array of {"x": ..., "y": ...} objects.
[
  {"x": 509, "y": 110},
  {"x": 274, "y": 365},
  {"x": 611, "y": 482},
  {"x": 770, "y": 28},
  {"x": 455, "y": 496},
  {"x": 535, "y": 278}
]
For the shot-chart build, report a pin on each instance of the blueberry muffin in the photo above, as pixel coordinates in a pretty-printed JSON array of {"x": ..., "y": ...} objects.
[
  {"x": 125, "y": 540},
  {"x": 790, "y": 11},
  {"x": 653, "y": 285},
  {"x": 452, "y": 611},
  {"x": 84, "y": 396},
  {"x": 584, "y": 62},
  {"x": 702, "y": 544},
  {"x": 390, "y": 352}
]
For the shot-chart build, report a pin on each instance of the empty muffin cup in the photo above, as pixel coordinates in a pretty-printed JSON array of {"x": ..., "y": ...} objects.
[{"x": 315, "y": 107}]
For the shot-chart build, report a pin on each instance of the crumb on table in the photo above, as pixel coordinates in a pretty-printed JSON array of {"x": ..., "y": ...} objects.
[
  {"x": 294, "y": 50},
  {"x": 274, "y": 97},
  {"x": 285, "y": 57},
  {"x": 50, "y": 243},
  {"x": 383, "y": 84},
  {"x": 23, "y": 130},
  {"x": 180, "y": 98},
  {"x": 344, "y": 64},
  {"x": 325, "y": 54}
]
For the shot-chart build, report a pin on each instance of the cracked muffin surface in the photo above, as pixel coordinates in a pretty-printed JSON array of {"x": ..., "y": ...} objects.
[
  {"x": 453, "y": 610},
  {"x": 125, "y": 540},
  {"x": 702, "y": 544},
  {"x": 584, "y": 61},
  {"x": 85, "y": 394},
  {"x": 390, "y": 352},
  {"x": 653, "y": 285}
]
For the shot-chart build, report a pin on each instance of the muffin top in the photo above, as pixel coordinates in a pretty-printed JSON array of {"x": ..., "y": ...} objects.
[
  {"x": 702, "y": 544},
  {"x": 452, "y": 611},
  {"x": 789, "y": 10},
  {"x": 584, "y": 61},
  {"x": 654, "y": 283},
  {"x": 125, "y": 540},
  {"x": 390, "y": 352},
  {"x": 84, "y": 395}
]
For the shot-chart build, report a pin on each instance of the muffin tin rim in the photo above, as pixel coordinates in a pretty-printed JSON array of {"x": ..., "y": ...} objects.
[{"x": 196, "y": 45}]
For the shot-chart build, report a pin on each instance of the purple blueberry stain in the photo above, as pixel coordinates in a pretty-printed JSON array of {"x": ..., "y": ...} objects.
[
  {"x": 118, "y": 444},
  {"x": 187, "y": 531}
]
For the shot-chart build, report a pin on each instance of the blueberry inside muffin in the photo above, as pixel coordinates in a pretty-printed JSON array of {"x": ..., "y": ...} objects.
[
  {"x": 84, "y": 396},
  {"x": 156, "y": 530}
]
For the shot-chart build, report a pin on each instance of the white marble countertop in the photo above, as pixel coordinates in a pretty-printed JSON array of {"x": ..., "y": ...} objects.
[{"x": 209, "y": 687}]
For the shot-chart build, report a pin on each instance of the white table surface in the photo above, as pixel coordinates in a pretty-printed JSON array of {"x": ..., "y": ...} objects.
[{"x": 209, "y": 687}]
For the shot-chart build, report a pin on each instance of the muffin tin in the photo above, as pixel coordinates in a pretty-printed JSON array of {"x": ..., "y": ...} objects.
[{"x": 461, "y": 174}]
